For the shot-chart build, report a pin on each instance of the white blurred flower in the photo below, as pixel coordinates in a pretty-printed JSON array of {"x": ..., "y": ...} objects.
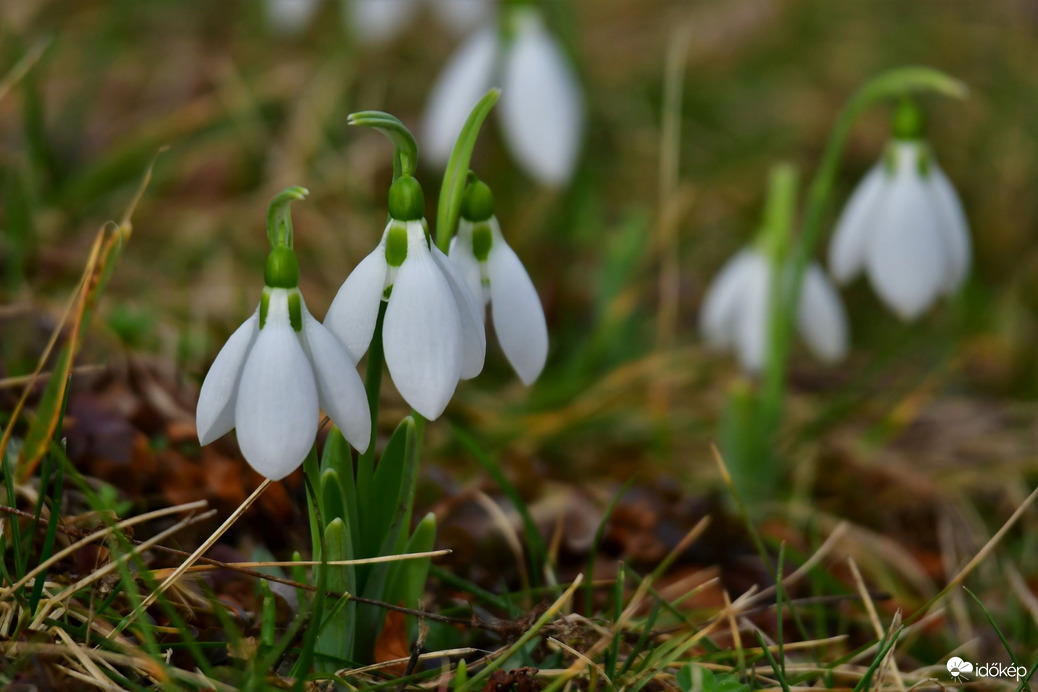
[
  {"x": 271, "y": 378},
  {"x": 906, "y": 228},
  {"x": 495, "y": 275},
  {"x": 735, "y": 311},
  {"x": 433, "y": 334},
  {"x": 374, "y": 21},
  {"x": 541, "y": 109},
  {"x": 289, "y": 17}
]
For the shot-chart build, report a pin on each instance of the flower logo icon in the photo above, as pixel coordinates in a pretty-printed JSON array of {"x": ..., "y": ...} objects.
[{"x": 957, "y": 667}]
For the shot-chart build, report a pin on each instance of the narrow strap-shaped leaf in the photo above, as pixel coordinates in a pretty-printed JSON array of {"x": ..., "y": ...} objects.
[{"x": 456, "y": 175}]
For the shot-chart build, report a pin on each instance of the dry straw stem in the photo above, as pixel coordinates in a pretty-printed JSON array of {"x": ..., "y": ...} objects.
[
  {"x": 877, "y": 627},
  {"x": 237, "y": 567},
  {"x": 508, "y": 532},
  {"x": 636, "y": 599},
  {"x": 495, "y": 660},
  {"x": 310, "y": 563},
  {"x": 206, "y": 545},
  {"x": 446, "y": 653},
  {"x": 583, "y": 658},
  {"x": 126, "y": 523},
  {"x": 11, "y": 382},
  {"x": 978, "y": 558},
  {"x": 809, "y": 564},
  {"x": 106, "y": 247},
  {"x": 45, "y": 606}
]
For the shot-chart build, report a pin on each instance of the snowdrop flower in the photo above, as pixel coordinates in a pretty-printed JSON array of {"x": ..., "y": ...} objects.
[
  {"x": 276, "y": 371},
  {"x": 432, "y": 334},
  {"x": 541, "y": 108},
  {"x": 380, "y": 20},
  {"x": 495, "y": 275},
  {"x": 735, "y": 311},
  {"x": 904, "y": 226}
]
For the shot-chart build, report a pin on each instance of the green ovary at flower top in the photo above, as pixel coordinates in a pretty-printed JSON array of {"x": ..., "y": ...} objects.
[
  {"x": 904, "y": 226},
  {"x": 278, "y": 369},
  {"x": 433, "y": 333},
  {"x": 495, "y": 275}
]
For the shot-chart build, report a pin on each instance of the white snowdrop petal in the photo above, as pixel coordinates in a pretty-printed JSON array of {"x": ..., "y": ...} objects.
[
  {"x": 751, "y": 328},
  {"x": 820, "y": 316},
  {"x": 353, "y": 313},
  {"x": 516, "y": 310},
  {"x": 464, "y": 79},
  {"x": 290, "y": 16},
  {"x": 717, "y": 317},
  {"x": 849, "y": 245},
  {"x": 422, "y": 335},
  {"x": 373, "y": 21},
  {"x": 955, "y": 228},
  {"x": 464, "y": 260},
  {"x": 460, "y": 16},
  {"x": 473, "y": 333},
  {"x": 906, "y": 257},
  {"x": 340, "y": 391},
  {"x": 541, "y": 108},
  {"x": 276, "y": 411},
  {"x": 215, "y": 414}
]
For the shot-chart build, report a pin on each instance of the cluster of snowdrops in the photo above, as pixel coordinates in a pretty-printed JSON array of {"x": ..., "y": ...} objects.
[{"x": 282, "y": 365}]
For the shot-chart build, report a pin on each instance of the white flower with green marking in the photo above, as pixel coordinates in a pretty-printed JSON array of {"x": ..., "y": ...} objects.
[
  {"x": 495, "y": 274},
  {"x": 433, "y": 334},
  {"x": 904, "y": 227},
  {"x": 735, "y": 311},
  {"x": 275, "y": 373}
]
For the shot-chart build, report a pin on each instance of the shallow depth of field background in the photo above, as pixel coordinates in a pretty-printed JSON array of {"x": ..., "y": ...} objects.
[{"x": 925, "y": 439}]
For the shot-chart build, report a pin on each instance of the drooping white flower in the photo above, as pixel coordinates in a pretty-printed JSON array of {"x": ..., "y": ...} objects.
[
  {"x": 905, "y": 227},
  {"x": 541, "y": 109},
  {"x": 432, "y": 334},
  {"x": 274, "y": 374},
  {"x": 495, "y": 274},
  {"x": 735, "y": 311}
]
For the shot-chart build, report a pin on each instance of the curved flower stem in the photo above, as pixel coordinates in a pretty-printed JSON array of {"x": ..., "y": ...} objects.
[
  {"x": 891, "y": 84},
  {"x": 405, "y": 154},
  {"x": 279, "y": 216}
]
